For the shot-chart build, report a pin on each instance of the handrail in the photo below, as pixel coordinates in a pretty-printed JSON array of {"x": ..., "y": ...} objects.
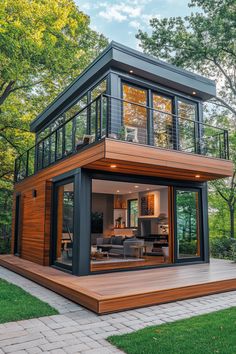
[{"x": 219, "y": 147}]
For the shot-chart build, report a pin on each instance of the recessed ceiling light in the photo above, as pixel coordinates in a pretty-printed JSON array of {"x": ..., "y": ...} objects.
[
  {"x": 131, "y": 71},
  {"x": 136, "y": 186},
  {"x": 113, "y": 166},
  {"x": 194, "y": 92},
  {"x": 147, "y": 189},
  {"x": 117, "y": 191},
  {"x": 197, "y": 176},
  {"x": 130, "y": 192}
]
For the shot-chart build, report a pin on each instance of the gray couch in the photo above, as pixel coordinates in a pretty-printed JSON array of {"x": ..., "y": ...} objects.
[{"x": 120, "y": 246}]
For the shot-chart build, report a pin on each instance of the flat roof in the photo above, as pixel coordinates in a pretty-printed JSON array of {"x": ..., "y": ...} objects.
[{"x": 118, "y": 56}]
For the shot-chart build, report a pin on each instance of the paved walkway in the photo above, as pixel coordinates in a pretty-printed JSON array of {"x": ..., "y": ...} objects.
[{"x": 77, "y": 330}]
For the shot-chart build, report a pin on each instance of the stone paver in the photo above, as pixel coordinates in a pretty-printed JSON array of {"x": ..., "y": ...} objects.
[{"x": 77, "y": 330}]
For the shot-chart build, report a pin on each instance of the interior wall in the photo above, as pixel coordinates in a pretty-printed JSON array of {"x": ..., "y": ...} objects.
[{"x": 103, "y": 203}]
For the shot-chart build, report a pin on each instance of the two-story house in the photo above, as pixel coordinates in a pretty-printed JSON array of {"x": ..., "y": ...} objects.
[{"x": 117, "y": 179}]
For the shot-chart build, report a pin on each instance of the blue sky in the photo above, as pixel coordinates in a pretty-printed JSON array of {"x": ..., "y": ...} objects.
[{"x": 119, "y": 20}]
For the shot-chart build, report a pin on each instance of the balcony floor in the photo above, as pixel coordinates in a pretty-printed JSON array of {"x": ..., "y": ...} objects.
[{"x": 105, "y": 293}]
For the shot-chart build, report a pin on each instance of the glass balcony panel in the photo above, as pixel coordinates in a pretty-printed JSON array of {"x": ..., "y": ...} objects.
[
  {"x": 68, "y": 137},
  {"x": 60, "y": 143},
  {"x": 31, "y": 161},
  {"x": 53, "y": 147},
  {"x": 46, "y": 152}
]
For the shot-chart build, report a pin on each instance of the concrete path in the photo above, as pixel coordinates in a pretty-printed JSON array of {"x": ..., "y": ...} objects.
[{"x": 77, "y": 330}]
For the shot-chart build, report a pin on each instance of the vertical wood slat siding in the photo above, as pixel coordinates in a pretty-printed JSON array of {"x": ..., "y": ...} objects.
[
  {"x": 36, "y": 216},
  {"x": 47, "y": 225}
]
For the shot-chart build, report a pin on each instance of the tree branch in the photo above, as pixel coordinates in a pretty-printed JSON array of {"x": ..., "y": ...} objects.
[
  {"x": 9, "y": 142},
  {"x": 225, "y": 104},
  {"x": 226, "y": 76},
  {"x": 7, "y": 91}
]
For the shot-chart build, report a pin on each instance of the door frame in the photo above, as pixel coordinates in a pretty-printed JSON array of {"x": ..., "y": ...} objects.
[
  {"x": 54, "y": 223},
  {"x": 17, "y": 228},
  {"x": 200, "y": 226}
]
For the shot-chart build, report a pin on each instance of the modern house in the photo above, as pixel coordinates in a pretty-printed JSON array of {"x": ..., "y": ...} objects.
[{"x": 117, "y": 179}]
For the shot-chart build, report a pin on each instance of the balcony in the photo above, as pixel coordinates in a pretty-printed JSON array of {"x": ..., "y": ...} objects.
[{"x": 121, "y": 120}]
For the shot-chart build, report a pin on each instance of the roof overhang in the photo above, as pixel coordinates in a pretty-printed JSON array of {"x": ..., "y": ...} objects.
[{"x": 117, "y": 56}]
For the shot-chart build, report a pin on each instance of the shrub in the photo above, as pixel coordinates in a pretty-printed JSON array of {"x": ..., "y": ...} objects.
[{"x": 223, "y": 247}]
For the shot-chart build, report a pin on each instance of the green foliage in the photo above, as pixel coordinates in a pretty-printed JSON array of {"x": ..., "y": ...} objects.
[
  {"x": 222, "y": 247},
  {"x": 211, "y": 333},
  {"x": 205, "y": 42},
  {"x": 16, "y": 304},
  {"x": 43, "y": 46}
]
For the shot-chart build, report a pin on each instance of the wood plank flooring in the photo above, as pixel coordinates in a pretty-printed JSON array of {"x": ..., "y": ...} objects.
[{"x": 112, "y": 292}]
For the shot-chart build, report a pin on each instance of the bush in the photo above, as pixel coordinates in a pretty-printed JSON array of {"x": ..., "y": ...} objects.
[{"x": 223, "y": 248}]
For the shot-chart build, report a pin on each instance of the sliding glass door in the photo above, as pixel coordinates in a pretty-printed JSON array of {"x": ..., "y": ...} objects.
[
  {"x": 63, "y": 224},
  {"x": 188, "y": 235}
]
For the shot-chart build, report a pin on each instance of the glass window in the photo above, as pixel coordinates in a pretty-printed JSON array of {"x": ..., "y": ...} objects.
[
  {"x": 59, "y": 143},
  {"x": 129, "y": 225},
  {"x": 134, "y": 115},
  {"x": 76, "y": 107},
  {"x": 187, "y": 222},
  {"x": 64, "y": 224},
  {"x": 99, "y": 89},
  {"x": 68, "y": 137},
  {"x": 133, "y": 212},
  {"x": 163, "y": 121},
  {"x": 187, "y": 112},
  {"x": 53, "y": 147},
  {"x": 46, "y": 152}
]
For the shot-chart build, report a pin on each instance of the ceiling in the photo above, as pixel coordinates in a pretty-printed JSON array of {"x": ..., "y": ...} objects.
[{"x": 114, "y": 187}]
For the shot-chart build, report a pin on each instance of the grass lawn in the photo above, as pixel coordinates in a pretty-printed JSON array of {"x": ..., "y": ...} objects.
[
  {"x": 16, "y": 304},
  {"x": 205, "y": 334}
]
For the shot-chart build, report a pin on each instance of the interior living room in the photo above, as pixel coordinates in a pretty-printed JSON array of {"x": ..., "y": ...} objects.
[{"x": 129, "y": 225}]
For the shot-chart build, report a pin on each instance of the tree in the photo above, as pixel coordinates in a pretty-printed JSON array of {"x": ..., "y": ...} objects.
[
  {"x": 205, "y": 42},
  {"x": 43, "y": 46}
]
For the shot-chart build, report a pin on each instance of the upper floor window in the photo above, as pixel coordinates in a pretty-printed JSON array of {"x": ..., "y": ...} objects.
[
  {"x": 99, "y": 89},
  {"x": 162, "y": 121},
  {"x": 134, "y": 114}
]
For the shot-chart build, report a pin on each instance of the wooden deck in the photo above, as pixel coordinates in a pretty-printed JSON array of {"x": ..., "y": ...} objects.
[{"x": 112, "y": 292}]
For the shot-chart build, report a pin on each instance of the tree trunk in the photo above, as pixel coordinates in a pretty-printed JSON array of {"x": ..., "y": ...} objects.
[{"x": 231, "y": 210}]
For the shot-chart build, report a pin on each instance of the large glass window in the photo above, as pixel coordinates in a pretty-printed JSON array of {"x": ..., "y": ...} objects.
[
  {"x": 99, "y": 89},
  {"x": 187, "y": 224},
  {"x": 64, "y": 228},
  {"x": 96, "y": 125},
  {"x": 163, "y": 121},
  {"x": 129, "y": 225},
  {"x": 134, "y": 114}
]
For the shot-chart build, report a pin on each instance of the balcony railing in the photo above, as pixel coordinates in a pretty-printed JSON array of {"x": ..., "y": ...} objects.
[{"x": 111, "y": 117}]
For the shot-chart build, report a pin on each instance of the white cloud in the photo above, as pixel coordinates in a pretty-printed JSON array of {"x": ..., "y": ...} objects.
[
  {"x": 135, "y": 24},
  {"x": 113, "y": 14},
  {"x": 133, "y": 11}
]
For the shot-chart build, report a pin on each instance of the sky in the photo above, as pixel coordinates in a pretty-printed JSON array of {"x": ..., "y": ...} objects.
[{"x": 120, "y": 20}]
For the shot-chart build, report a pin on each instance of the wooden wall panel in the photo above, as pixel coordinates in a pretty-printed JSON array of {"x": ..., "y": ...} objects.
[
  {"x": 47, "y": 222},
  {"x": 33, "y": 223}
]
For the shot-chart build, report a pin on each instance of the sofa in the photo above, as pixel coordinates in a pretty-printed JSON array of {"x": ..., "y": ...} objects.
[{"x": 120, "y": 246}]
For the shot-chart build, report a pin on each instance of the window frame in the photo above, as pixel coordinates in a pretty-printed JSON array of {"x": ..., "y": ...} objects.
[{"x": 129, "y": 201}]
